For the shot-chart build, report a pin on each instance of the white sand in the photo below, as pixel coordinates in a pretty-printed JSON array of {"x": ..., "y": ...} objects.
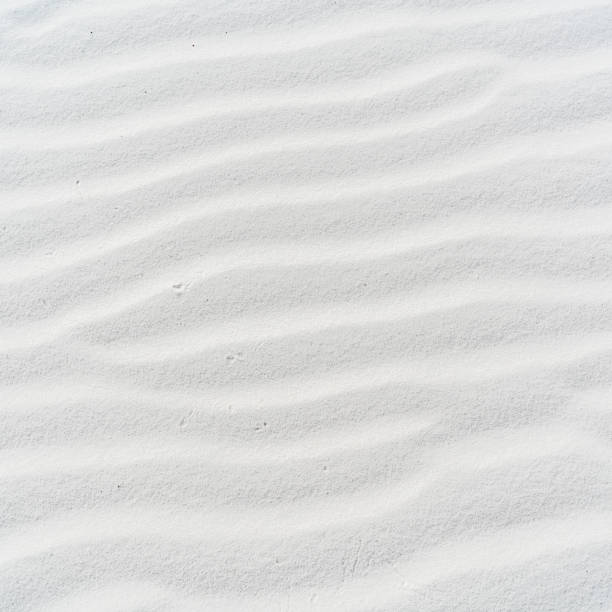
[{"x": 305, "y": 305}]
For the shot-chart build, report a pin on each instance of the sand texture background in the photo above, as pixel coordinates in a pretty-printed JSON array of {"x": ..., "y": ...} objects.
[{"x": 305, "y": 305}]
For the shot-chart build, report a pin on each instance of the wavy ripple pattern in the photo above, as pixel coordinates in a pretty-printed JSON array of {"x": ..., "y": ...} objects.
[{"x": 306, "y": 306}]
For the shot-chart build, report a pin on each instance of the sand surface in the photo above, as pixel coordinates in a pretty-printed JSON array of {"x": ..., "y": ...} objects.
[{"x": 305, "y": 306}]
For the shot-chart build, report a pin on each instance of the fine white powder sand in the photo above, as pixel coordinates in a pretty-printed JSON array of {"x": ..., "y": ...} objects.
[{"x": 305, "y": 305}]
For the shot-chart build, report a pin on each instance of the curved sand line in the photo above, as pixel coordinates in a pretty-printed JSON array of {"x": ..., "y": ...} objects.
[{"x": 271, "y": 44}]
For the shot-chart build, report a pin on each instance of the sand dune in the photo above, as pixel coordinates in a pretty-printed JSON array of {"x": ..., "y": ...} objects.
[{"x": 306, "y": 306}]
